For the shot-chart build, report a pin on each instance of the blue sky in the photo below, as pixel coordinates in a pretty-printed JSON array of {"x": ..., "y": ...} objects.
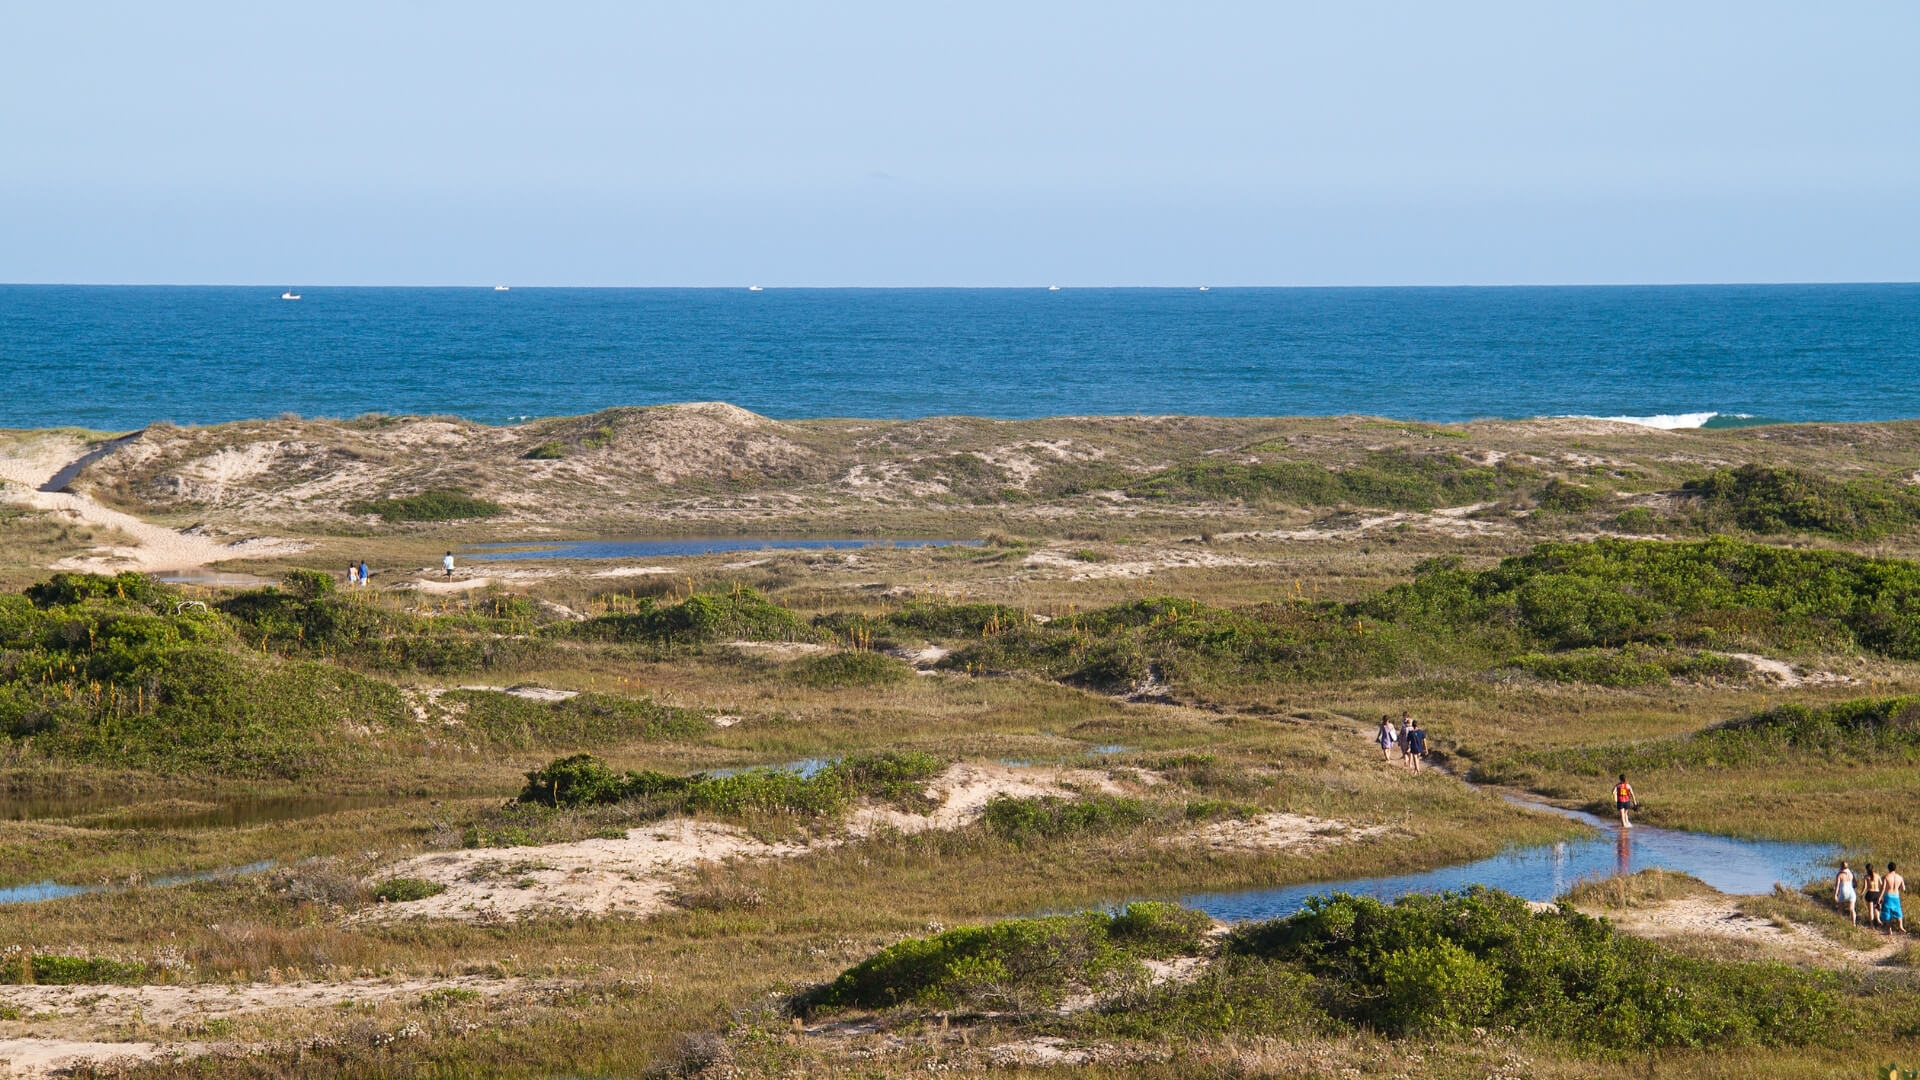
[{"x": 959, "y": 144}]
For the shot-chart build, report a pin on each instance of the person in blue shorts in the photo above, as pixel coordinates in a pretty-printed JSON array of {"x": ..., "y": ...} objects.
[{"x": 1891, "y": 886}]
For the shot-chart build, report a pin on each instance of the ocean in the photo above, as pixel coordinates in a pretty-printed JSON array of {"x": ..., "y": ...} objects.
[{"x": 117, "y": 358}]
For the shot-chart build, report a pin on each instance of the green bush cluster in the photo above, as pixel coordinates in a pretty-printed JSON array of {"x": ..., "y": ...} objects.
[
  {"x": 52, "y": 969},
  {"x": 399, "y": 890},
  {"x": 894, "y": 776},
  {"x": 853, "y": 668},
  {"x": 1049, "y": 817},
  {"x": 436, "y": 504},
  {"x": 703, "y": 618},
  {"x": 1764, "y": 499},
  {"x": 1442, "y": 965},
  {"x": 1020, "y": 963},
  {"x": 1631, "y": 665}
]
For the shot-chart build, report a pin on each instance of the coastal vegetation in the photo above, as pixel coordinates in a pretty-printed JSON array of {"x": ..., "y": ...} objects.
[{"x": 638, "y": 816}]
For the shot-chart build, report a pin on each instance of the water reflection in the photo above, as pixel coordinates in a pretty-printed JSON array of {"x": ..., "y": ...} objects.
[{"x": 1545, "y": 871}]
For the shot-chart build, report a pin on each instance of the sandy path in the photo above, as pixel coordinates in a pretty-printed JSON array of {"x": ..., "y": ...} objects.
[
  {"x": 27, "y": 466},
  {"x": 1279, "y": 832},
  {"x": 1719, "y": 916},
  {"x": 37, "y": 1057}
]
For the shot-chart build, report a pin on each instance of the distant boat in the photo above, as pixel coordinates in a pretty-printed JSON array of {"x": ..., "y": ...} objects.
[
  {"x": 289, "y": 295},
  {"x": 1053, "y": 288},
  {"x": 499, "y": 288},
  {"x": 755, "y": 288},
  {"x": 1204, "y": 288}
]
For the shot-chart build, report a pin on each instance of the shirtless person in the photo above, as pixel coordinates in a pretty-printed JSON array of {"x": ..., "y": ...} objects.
[
  {"x": 1623, "y": 800},
  {"x": 1890, "y": 888}
]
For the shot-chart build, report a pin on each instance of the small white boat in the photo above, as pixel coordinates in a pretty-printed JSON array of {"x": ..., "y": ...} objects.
[
  {"x": 499, "y": 288},
  {"x": 1053, "y": 288},
  {"x": 289, "y": 295},
  {"x": 1204, "y": 288},
  {"x": 755, "y": 288}
]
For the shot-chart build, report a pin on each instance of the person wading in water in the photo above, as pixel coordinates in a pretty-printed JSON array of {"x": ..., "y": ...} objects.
[{"x": 1623, "y": 800}]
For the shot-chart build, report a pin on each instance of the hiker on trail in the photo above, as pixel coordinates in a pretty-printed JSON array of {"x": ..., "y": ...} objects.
[
  {"x": 1870, "y": 892},
  {"x": 1890, "y": 888},
  {"x": 1623, "y": 800},
  {"x": 352, "y": 575},
  {"x": 448, "y": 564},
  {"x": 1843, "y": 894},
  {"x": 1385, "y": 738},
  {"x": 363, "y": 572},
  {"x": 1417, "y": 745},
  {"x": 1406, "y": 737}
]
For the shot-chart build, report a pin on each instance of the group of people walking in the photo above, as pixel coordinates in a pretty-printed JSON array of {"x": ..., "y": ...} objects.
[
  {"x": 357, "y": 573},
  {"x": 1410, "y": 738},
  {"x": 1880, "y": 892}
]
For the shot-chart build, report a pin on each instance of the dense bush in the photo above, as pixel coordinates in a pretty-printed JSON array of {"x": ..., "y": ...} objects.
[
  {"x": 739, "y": 615},
  {"x": 894, "y": 776},
  {"x": 437, "y": 504},
  {"x": 1019, "y": 964},
  {"x": 52, "y": 969},
  {"x": 402, "y": 889},
  {"x": 1763, "y": 499},
  {"x": 1632, "y": 665},
  {"x": 1049, "y": 817},
  {"x": 851, "y": 668},
  {"x": 1444, "y": 964}
]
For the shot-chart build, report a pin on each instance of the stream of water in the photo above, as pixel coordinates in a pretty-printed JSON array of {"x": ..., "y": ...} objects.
[{"x": 1545, "y": 871}]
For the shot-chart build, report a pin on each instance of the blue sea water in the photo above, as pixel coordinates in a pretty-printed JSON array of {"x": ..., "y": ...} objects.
[{"x": 120, "y": 357}]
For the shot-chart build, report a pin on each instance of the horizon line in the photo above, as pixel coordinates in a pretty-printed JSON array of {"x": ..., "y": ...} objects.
[{"x": 1043, "y": 287}]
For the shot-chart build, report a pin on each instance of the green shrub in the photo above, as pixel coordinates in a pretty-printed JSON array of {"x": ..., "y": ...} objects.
[
  {"x": 1019, "y": 964},
  {"x": 582, "y": 780},
  {"x": 738, "y": 615},
  {"x": 402, "y": 889},
  {"x": 436, "y": 504},
  {"x": 1570, "y": 498},
  {"x": 1442, "y": 964},
  {"x": 1764, "y": 499},
  {"x": 849, "y": 669},
  {"x": 307, "y": 584},
  {"x": 546, "y": 451},
  {"x": 46, "y": 969},
  {"x": 64, "y": 590},
  {"x": 1049, "y": 817},
  {"x": 1632, "y": 665},
  {"x": 1156, "y": 931}
]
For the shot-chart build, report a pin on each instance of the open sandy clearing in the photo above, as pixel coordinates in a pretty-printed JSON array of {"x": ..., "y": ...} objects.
[{"x": 635, "y": 874}]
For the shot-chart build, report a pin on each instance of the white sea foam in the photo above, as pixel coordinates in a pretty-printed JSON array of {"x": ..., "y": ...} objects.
[{"x": 1664, "y": 421}]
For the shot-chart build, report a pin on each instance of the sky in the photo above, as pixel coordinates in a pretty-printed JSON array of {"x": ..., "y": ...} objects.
[{"x": 965, "y": 144}]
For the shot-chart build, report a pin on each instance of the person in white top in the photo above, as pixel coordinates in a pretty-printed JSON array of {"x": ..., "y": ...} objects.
[{"x": 447, "y": 563}]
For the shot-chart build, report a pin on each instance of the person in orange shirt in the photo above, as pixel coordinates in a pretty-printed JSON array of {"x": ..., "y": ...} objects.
[{"x": 1623, "y": 800}]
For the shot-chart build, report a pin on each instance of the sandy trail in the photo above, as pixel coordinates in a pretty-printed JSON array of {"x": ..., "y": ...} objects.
[{"x": 28, "y": 466}]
